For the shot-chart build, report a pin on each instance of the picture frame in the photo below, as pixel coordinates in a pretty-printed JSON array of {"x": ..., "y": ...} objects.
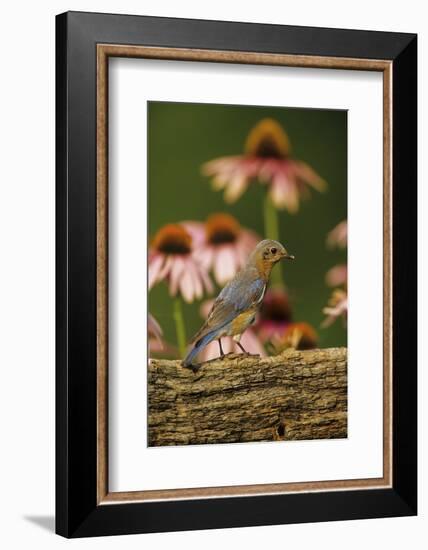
[{"x": 84, "y": 44}]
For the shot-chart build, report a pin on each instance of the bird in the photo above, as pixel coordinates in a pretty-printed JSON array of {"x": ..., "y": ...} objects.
[{"x": 235, "y": 308}]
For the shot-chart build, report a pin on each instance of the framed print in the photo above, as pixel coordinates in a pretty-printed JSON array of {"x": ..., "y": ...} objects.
[{"x": 236, "y": 274}]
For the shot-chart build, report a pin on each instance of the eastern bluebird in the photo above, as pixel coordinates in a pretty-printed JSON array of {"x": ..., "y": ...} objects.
[{"x": 236, "y": 306}]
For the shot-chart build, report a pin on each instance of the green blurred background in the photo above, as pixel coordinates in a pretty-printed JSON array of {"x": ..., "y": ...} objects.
[{"x": 183, "y": 136}]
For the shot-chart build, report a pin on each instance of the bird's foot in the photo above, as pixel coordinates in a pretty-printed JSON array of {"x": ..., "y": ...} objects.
[
  {"x": 193, "y": 368},
  {"x": 231, "y": 355},
  {"x": 239, "y": 355}
]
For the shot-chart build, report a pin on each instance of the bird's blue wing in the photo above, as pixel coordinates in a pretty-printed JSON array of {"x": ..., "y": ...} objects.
[
  {"x": 235, "y": 298},
  {"x": 246, "y": 297}
]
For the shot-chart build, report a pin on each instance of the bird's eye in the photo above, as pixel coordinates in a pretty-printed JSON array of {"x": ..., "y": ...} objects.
[{"x": 273, "y": 250}]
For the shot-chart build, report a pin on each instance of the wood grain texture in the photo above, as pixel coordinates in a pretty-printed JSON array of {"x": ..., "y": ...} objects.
[
  {"x": 242, "y": 57},
  {"x": 297, "y": 395}
]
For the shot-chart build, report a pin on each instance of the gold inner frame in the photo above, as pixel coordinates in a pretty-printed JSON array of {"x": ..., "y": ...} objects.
[{"x": 104, "y": 52}]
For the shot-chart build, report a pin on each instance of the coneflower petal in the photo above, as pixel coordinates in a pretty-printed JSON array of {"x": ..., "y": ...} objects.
[
  {"x": 205, "y": 257},
  {"x": 337, "y": 275},
  {"x": 235, "y": 188},
  {"x": 164, "y": 272},
  {"x": 196, "y": 231},
  {"x": 206, "y": 281},
  {"x": 154, "y": 330},
  {"x": 175, "y": 275},
  {"x": 219, "y": 165},
  {"x": 197, "y": 283},
  {"x": 338, "y": 236},
  {"x": 267, "y": 170},
  {"x": 224, "y": 265},
  {"x": 186, "y": 286},
  {"x": 308, "y": 175},
  {"x": 155, "y": 266}
]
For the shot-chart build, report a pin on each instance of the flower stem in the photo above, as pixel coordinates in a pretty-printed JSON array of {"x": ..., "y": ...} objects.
[
  {"x": 272, "y": 232},
  {"x": 180, "y": 327}
]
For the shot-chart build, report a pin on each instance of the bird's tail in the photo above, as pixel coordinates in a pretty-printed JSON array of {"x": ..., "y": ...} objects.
[{"x": 198, "y": 347}]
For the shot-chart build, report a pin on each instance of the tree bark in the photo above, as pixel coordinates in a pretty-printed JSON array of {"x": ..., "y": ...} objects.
[{"x": 293, "y": 396}]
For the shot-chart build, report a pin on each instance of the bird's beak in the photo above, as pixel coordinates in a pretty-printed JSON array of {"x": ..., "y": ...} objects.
[{"x": 287, "y": 256}]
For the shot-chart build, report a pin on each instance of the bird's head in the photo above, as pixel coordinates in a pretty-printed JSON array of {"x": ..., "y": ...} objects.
[{"x": 267, "y": 253}]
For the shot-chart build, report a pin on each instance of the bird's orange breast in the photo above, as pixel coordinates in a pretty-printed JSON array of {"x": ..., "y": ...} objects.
[{"x": 240, "y": 323}]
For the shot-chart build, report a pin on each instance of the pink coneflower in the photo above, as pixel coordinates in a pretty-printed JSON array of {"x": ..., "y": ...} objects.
[
  {"x": 222, "y": 245},
  {"x": 274, "y": 315},
  {"x": 249, "y": 341},
  {"x": 337, "y": 275},
  {"x": 171, "y": 258},
  {"x": 157, "y": 345},
  {"x": 298, "y": 336},
  {"x": 337, "y": 307},
  {"x": 155, "y": 333},
  {"x": 338, "y": 236},
  {"x": 266, "y": 158}
]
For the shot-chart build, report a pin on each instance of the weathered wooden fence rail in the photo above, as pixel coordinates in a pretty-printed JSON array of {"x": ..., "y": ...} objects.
[{"x": 295, "y": 395}]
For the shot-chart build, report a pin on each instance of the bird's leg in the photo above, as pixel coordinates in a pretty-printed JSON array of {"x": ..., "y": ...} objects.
[
  {"x": 245, "y": 351},
  {"x": 242, "y": 347},
  {"x": 221, "y": 348}
]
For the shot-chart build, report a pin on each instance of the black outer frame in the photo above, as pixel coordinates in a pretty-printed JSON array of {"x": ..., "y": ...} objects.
[{"x": 77, "y": 513}]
